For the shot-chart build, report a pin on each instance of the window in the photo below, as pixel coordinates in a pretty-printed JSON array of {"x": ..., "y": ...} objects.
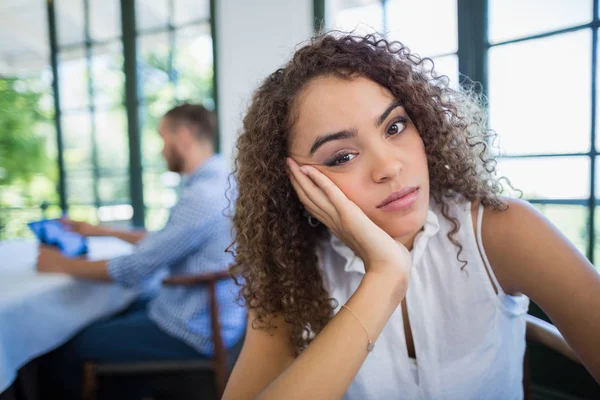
[
  {"x": 92, "y": 109},
  {"x": 94, "y": 164},
  {"x": 409, "y": 22},
  {"x": 540, "y": 103},
  {"x": 538, "y": 74},
  {"x": 175, "y": 65},
  {"x": 26, "y": 119}
]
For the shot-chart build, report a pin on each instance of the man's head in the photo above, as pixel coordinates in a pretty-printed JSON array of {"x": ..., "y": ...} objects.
[{"x": 189, "y": 132}]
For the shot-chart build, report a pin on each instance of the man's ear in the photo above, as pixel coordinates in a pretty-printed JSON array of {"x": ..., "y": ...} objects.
[{"x": 184, "y": 138}]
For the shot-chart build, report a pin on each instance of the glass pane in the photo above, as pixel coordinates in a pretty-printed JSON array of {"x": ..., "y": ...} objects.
[
  {"x": 597, "y": 241},
  {"x": 427, "y": 27},
  {"x": 114, "y": 189},
  {"x": 83, "y": 213},
  {"x": 155, "y": 68},
  {"x": 116, "y": 216},
  {"x": 597, "y": 188},
  {"x": 27, "y": 141},
  {"x": 539, "y": 178},
  {"x": 24, "y": 36},
  {"x": 108, "y": 78},
  {"x": 80, "y": 187},
  {"x": 152, "y": 143},
  {"x": 70, "y": 23},
  {"x": 598, "y": 107},
  {"x": 28, "y": 168},
  {"x": 187, "y": 11},
  {"x": 358, "y": 16},
  {"x": 156, "y": 218},
  {"x": 77, "y": 140},
  {"x": 105, "y": 19},
  {"x": 572, "y": 221},
  {"x": 194, "y": 64},
  {"x": 13, "y": 221},
  {"x": 111, "y": 138},
  {"x": 73, "y": 79},
  {"x": 151, "y": 14},
  {"x": 447, "y": 65},
  {"x": 541, "y": 99},
  {"x": 160, "y": 194},
  {"x": 162, "y": 187},
  {"x": 153, "y": 189},
  {"x": 511, "y": 19}
]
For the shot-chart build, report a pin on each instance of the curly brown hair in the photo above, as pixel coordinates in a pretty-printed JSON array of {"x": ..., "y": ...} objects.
[{"x": 275, "y": 245}]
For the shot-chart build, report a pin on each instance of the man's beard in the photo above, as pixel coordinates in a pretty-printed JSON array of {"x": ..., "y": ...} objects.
[{"x": 175, "y": 162}]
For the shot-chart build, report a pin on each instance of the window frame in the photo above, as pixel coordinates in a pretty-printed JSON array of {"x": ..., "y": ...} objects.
[
  {"x": 473, "y": 48},
  {"x": 130, "y": 102}
]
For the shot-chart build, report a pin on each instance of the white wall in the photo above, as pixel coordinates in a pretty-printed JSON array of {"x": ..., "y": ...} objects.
[{"x": 254, "y": 38}]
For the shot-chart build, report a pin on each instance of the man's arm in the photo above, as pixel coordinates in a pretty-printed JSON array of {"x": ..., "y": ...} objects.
[
  {"x": 51, "y": 260},
  {"x": 132, "y": 237},
  {"x": 188, "y": 229},
  {"x": 161, "y": 249},
  {"x": 87, "y": 229}
]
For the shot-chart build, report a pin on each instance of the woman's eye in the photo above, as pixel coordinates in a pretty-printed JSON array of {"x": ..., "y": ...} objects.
[
  {"x": 342, "y": 159},
  {"x": 396, "y": 127}
]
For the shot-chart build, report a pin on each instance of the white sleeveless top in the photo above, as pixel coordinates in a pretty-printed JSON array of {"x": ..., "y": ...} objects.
[{"x": 469, "y": 340}]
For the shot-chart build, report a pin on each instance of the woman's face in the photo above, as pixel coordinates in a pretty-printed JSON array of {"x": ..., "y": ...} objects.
[{"x": 356, "y": 133}]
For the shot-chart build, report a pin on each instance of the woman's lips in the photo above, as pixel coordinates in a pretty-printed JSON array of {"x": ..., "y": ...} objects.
[{"x": 400, "y": 200}]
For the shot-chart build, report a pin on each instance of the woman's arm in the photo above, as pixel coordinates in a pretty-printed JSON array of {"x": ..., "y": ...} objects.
[
  {"x": 326, "y": 368},
  {"x": 266, "y": 368},
  {"x": 529, "y": 255}
]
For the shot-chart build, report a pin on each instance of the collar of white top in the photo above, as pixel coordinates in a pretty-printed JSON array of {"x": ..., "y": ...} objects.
[{"x": 355, "y": 264}]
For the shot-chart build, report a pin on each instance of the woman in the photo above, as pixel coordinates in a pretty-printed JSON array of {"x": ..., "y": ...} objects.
[{"x": 379, "y": 259}]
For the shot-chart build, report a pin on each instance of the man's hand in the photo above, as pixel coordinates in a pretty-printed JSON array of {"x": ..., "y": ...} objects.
[
  {"x": 83, "y": 228},
  {"x": 50, "y": 259}
]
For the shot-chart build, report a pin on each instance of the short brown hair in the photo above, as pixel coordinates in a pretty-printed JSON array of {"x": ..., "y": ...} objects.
[{"x": 201, "y": 121}]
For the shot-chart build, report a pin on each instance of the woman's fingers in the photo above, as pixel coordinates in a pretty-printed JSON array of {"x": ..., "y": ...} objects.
[
  {"x": 310, "y": 189},
  {"x": 334, "y": 194}
]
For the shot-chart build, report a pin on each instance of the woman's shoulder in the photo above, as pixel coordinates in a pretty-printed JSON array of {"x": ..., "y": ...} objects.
[
  {"x": 513, "y": 214},
  {"x": 509, "y": 213},
  {"x": 504, "y": 232}
]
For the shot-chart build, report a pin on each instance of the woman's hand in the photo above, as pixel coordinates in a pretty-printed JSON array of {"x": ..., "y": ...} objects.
[{"x": 326, "y": 202}]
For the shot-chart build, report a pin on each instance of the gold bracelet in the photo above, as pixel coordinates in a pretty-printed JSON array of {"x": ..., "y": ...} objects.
[{"x": 371, "y": 345}]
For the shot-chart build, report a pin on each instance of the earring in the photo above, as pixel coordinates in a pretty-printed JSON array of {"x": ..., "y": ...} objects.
[{"x": 313, "y": 221}]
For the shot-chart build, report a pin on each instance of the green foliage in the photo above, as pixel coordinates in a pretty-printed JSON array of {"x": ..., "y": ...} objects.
[{"x": 22, "y": 149}]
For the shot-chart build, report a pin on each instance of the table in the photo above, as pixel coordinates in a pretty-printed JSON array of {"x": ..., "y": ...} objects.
[{"x": 39, "y": 312}]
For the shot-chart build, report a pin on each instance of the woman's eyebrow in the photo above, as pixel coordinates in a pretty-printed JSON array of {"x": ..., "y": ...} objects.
[
  {"x": 393, "y": 105},
  {"x": 348, "y": 134},
  {"x": 321, "y": 140}
]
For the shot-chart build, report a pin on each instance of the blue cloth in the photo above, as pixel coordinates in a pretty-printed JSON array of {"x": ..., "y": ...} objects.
[
  {"x": 192, "y": 242},
  {"x": 129, "y": 337}
]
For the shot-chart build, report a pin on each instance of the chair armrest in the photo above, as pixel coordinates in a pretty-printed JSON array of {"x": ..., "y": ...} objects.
[
  {"x": 540, "y": 331},
  {"x": 196, "y": 280}
]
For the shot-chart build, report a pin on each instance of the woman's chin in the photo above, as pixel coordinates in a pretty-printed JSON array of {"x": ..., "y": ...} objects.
[{"x": 404, "y": 226}]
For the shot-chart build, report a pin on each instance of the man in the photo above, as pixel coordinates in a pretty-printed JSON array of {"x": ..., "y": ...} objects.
[{"x": 175, "y": 325}]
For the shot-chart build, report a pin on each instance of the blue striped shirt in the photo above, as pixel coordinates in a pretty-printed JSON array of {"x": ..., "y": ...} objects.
[{"x": 193, "y": 241}]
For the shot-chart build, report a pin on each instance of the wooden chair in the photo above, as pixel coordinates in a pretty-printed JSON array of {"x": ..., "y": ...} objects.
[{"x": 219, "y": 365}]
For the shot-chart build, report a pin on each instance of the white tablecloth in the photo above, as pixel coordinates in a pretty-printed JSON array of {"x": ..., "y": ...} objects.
[{"x": 39, "y": 312}]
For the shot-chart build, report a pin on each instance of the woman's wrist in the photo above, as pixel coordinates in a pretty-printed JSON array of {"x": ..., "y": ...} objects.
[{"x": 392, "y": 283}]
